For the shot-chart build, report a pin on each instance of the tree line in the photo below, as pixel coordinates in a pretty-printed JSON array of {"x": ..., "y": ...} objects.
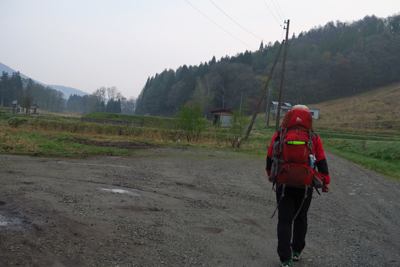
[
  {"x": 108, "y": 100},
  {"x": 327, "y": 62},
  {"x": 26, "y": 92}
]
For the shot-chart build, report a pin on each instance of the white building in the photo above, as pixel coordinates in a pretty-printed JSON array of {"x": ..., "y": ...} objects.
[{"x": 285, "y": 107}]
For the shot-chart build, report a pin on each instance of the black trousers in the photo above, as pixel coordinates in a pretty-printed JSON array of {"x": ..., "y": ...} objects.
[{"x": 288, "y": 207}]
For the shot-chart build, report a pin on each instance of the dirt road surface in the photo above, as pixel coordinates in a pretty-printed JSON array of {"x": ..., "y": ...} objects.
[{"x": 184, "y": 207}]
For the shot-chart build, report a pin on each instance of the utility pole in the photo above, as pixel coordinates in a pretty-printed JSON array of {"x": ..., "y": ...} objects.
[
  {"x": 278, "y": 115},
  {"x": 267, "y": 108},
  {"x": 262, "y": 95}
]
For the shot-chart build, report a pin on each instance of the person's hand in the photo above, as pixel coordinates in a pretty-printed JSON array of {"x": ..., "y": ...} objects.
[
  {"x": 270, "y": 180},
  {"x": 326, "y": 188}
]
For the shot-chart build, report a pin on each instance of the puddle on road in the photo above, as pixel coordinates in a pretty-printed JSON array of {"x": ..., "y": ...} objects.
[
  {"x": 4, "y": 221},
  {"x": 121, "y": 191}
]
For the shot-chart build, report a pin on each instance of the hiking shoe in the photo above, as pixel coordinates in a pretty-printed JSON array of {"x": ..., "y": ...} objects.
[
  {"x": 286, "y": 263},
  {"x": 296, "y": 256}
]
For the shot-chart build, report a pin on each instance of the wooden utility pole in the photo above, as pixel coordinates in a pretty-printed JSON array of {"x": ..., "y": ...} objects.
[
  {"x": 269, "y": 108},
  {"x": 278, "y": 115},
  {"x": 262, "y": 95},
  {"x": 267, "y": 102}
]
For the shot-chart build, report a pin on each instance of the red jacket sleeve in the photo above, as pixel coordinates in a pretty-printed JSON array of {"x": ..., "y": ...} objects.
[
  {"x": 271, "y": 145},
  {"x": 269, "y": 154},
  {"x": 321, "y": 163}
]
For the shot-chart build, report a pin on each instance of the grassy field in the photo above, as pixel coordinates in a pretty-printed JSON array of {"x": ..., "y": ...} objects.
[
  {"x": 375, "y": 111},
  {"x": 366, "y": 131},
  {"x": 52, "y": 135}
]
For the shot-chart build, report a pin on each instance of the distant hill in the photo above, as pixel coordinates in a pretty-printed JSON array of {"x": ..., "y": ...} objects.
[
  {"x": 66, "y": 90},
  {"x": 10, "y": 70}
]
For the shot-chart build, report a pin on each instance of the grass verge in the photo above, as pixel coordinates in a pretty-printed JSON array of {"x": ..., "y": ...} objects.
[{"x": 380, "y": 156}]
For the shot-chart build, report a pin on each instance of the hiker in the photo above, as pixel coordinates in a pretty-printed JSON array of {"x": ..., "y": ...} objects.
[{"x": 294, "y": 182}]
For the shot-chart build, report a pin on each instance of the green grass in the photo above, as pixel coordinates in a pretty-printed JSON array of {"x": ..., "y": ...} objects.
[
  {"x": 376, "y": 150},
  {"x": 378, "y": 135},
  {"x": 54, "y": 145},
  {"x": 382, "y": 156}
]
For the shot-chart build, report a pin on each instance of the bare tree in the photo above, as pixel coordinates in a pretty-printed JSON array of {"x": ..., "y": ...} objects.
[
  {"x": 128, "y": 106},
  {"x": 101, "y": 94},
  {"x": 112, "y": 93}
]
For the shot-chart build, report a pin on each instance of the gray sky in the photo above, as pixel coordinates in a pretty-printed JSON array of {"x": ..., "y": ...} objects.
[{"x": 87, "y": 44}]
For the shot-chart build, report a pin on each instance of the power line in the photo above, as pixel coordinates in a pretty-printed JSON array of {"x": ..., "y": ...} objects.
[
  {"x": 276, "y": 10},
  {"x": 272, "y": 13},
  {"x": 219, "y": 26},
  {"x": 235, "y": 21},
  {"x": 280, "y": 9}
]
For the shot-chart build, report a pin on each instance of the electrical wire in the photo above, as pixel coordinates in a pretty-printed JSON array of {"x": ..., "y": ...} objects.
[
  {"x": 276, "y": 10},
  {"x": 272, "y": 13},
  {"x": 235, "y": 21},
  {"x": 280, "y": 9},
  {"x": 218, "y": 25}
]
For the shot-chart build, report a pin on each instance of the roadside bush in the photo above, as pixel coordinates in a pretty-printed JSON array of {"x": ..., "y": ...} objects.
[
  {"x": 189, "y": 121},
  {"x": 238, "y": 125}
]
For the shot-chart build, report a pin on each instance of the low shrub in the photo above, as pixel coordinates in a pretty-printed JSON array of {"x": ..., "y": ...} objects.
[{"x": 16, "y": 122}]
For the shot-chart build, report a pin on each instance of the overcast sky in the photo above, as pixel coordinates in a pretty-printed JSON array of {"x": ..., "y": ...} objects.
[{"x": 87, "y": 44}]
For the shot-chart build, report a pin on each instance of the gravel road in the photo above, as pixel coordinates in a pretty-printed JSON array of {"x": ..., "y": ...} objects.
[{"x": 184, "y": 207}]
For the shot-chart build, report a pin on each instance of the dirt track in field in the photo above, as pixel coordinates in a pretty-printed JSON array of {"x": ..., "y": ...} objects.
[{"x": 184, "y": 207}]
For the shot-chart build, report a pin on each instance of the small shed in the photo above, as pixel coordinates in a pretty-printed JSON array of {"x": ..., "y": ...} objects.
[
  {"x": 285, "y": 107},
  {"x": 315, "y": 113},
  {"x": 21, "y": 110},
  {"x": 222, "y": 115},
  {"x": 33, "y": 109}
]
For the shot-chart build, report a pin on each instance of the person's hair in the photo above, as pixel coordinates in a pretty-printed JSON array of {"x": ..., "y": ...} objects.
[{"x": 300, "y": 107}]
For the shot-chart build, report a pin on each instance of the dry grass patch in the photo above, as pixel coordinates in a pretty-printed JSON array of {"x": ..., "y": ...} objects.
[
  {"x": 377, "y": 109},
  {"x": 10, "y": 141}
]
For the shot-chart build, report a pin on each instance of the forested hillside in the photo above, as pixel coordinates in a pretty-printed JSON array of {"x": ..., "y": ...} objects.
[
  {"x": 327, "y": 62},
  {"x": 26, "y": 92}
]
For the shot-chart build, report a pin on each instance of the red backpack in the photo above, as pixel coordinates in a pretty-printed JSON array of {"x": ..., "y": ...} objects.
[{"x": 293, "y": 151}]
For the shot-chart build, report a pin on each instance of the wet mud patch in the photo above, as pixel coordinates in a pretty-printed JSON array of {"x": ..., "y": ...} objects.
[
  {"x": 121, "y": 145},
  {"x": 44, "y": 238}
]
